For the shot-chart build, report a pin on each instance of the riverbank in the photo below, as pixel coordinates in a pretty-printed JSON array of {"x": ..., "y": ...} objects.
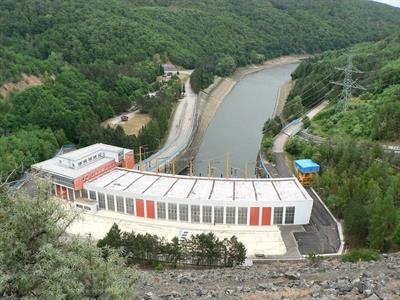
[
  {"x": 281, "y": 98},
  {"x": 211, "y": 98}
]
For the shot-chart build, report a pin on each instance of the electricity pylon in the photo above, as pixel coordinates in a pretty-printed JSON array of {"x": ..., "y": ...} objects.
[{"x": 347, "y": 84}]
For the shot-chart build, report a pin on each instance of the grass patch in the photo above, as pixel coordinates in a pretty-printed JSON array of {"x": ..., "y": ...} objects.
[{"x": 357, "y": 255}]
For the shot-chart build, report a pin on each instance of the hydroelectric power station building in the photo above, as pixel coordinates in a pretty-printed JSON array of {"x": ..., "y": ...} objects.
[{"x": 102, "y": 177}]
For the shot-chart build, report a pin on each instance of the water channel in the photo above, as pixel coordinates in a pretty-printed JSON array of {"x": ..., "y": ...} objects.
[{"x": 237, "y": 125}]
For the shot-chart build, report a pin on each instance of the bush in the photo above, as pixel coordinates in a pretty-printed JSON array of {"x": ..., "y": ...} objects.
[
  {"x": 296, "y": 146},
  {"x": 306, "y": 122},
  {"x": 396, "y": 237},
  {"x": 356, "y": 255}
]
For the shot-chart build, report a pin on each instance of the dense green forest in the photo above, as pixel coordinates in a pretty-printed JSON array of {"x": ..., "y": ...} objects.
[
  {"x": 358, "y": 181},
  {"x": 105, "y": 58},
  {"x": 373, "y": 113},
  {"x": 361, "y": 185}
]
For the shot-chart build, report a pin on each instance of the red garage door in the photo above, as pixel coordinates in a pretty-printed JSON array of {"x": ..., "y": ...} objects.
[
  {"x": 139, "y": 207},
  {"x": 254, "y": 215},
  {"x": 150, "y": 209},
  {"x": 266, "y": 216}
]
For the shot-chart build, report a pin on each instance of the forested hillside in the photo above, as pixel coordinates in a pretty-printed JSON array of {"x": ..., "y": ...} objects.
[
  {"x": 373, "y": 113},
  {"x": 105, "y": 57},
  {"x": 359, "y": 181}
]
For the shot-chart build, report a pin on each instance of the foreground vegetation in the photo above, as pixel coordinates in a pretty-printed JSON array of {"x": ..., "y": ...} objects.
[
  {"x": 105, "y": 58},
  {"x": 38, "y": 260},
  {"x": 200, "y": 249}
]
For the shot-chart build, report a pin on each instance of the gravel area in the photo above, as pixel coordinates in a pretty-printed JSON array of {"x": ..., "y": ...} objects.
[{"x": 327, "y": 279}]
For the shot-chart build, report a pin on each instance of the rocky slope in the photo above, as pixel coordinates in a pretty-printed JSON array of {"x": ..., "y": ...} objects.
[{"x": 327, "y": 279}]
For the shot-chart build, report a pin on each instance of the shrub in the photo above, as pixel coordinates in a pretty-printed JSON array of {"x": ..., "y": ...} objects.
[{"x": 356, "y": 255}]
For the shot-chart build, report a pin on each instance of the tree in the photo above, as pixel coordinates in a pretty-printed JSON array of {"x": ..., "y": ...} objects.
[
  {"x": 38, "y": 259},
  {"x": 293, "y": 108},
  {"x": 113, "y": 238},
  {"x": 384, "y": 216},
  {"x": 226, "y": 66}
]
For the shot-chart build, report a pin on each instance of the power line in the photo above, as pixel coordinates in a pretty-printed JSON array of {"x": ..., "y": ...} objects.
[{"x": 347, "y": 84}]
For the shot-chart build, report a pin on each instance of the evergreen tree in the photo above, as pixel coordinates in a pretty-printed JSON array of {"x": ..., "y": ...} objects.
[
  {"x": 383, "y": 216},
  {"x": 38, "y": 260}
]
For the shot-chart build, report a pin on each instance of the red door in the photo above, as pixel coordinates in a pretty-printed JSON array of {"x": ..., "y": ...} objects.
[
  {"x": 266, "y": 216},
  {"x": 58, "y": 190},
  {"x": 150, "y": 209},
  {"x": 64, "y": 193},
  {"x": 254, "y": 215},
  {"x": 139, "y": 208}
]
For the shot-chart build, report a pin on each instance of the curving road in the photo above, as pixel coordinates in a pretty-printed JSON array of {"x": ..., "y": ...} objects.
[
  {"x": 180, "y": 132},
  {"x": 281, "y": 139}
]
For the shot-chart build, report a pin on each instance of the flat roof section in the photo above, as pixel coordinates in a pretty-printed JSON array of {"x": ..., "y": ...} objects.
[
  {"x": 266, "y": 191},
  {"x": 142, "y": 184},
  {"x": 181, "y": 188},
  {"x": 201, "y": 188},
  {"x": 161, "y": 186},
  {"x": 54, "y": 167},
  {"x": 223, "y": 190},
  {"x": 244, "y": 190},
  {"x": 83, "y": 152},
  {"x": 289, "y": 191},
  {"x": 109, "y": 177},
  {"x": 123, "y": 182}
]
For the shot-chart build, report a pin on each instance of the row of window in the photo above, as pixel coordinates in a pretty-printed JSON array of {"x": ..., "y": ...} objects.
[
  {"x": 206, "y": 213},
  {"x": 116, "y": 203},
  {"x": 289, "y": 215},
  {"x": 119, "y": 202}
]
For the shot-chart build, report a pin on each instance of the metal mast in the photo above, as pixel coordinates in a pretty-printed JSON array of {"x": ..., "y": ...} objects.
[{"x": 347, "y": 84}]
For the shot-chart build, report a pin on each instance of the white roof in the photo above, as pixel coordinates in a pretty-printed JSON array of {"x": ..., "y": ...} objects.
[
  {"x": 200, "y": 188},
  {"x": 83, "y": 152},
  {"x": 54, "y": 166}
]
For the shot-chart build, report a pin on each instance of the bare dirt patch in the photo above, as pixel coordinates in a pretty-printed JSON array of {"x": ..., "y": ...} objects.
[
  {"x": 136, "y": 121},
  {"x": 27, "y": 81}
]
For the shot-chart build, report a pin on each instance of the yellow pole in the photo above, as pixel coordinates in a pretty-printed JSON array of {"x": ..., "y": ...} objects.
[
  {"x": 209, "y": 169},
  {"x": 190, "y": 168},
  {"x": 227, "y": 165},
  {"x": 140, "y": 158},
  {"x": 245, "y": 170},
  {"x": 158, "y": 165}
]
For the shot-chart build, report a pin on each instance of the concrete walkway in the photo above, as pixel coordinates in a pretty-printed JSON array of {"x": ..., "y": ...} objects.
[{"x": 180, "y": 133}]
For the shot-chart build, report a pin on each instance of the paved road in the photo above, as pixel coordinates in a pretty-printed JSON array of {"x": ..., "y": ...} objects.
[
  {"x": 281, "y": 139},
  {"x": 321, "y": 235},
  {"x": 180, "y": 132}
]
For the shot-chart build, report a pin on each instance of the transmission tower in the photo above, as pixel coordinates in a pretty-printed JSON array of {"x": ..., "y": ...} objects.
[{"x": 347, "y": 84}]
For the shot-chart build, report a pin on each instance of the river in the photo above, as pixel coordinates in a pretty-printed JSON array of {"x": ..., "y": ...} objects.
[{"x": 237, "y": 125}]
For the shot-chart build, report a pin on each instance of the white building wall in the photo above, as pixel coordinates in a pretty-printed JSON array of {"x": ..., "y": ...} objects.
[{"x": 302, "y": 207}]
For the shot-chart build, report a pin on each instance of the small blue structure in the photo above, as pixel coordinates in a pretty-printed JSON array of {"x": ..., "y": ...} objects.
[
  {"x": 306, "y": 166},
  {"x": 305, "y": 170}
]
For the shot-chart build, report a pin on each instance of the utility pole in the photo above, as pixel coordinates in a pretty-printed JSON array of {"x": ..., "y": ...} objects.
[
  {"x": 190, "y": 168},
  {"x": 227, "y": 165},
  {"x": 347, "y": 84},
  {"x": 140, "y": 158}
]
